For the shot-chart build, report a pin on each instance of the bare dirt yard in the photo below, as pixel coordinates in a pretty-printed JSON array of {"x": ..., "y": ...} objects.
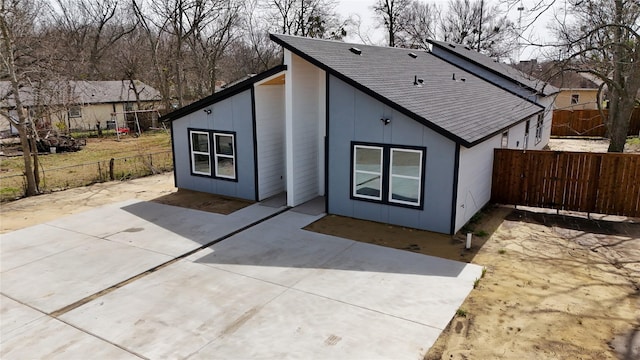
[{"x": 555, "y": 287}]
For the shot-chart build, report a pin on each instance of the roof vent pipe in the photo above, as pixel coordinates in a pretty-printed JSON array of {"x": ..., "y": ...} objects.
[
  {"x": 413, "y": 55},
  {"x": 355, "y": 50}
]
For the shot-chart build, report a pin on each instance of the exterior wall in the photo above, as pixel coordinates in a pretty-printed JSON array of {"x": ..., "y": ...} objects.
[
  {"x": 547, "y": 102},
  {"x": 587, "y": 100},
  {"x": 90, "y": 115},
  {"x": 232, "y": 114},
  {"x": 474, "y": 179},
  {"x": 304, "y": 121},
  {"x": 269, "y": 107},
  {"x": 476, "y": 168},
  {"x": 484, "y": 73},
  {"x": 355, "y": 116}
]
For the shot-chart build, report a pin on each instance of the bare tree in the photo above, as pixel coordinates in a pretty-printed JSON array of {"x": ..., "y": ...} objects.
[
  {"x": 473, "y": 23},
  {"x": 217, "y": 27},
  {"x": 19, "y": 57},
  {"x": 88, "y": 31},
  {"x": 392, "y": 13},
  {"x": 419, "y": 23},
  {"x": 603, "y": 39},
  {"x": 309, "y": 18}
]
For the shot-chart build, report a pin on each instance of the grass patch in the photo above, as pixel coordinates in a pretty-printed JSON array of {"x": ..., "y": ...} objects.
[
  {"x": 634, "y": 141},
  {"x": 97, "y": 149},
  {"x": 132, "y": 158},
  {"x": 481, "y": 233},
  {"x": 502, "y": 251},
  {"x": 461, "y": 313},
  {"x": 476, "y": 282}
]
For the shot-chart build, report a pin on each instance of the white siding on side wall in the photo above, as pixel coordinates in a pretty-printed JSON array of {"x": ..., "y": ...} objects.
[
  {"x": 303, "y": 131},
  {"x": 474, "y": 179},
  {"x": 269, "y": 103}
]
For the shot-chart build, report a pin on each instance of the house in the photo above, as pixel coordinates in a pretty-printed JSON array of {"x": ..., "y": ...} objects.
[
  {"x": 576, "y": 90},
  {"x": 79, "y": 105},
  {"x": 385, "y": 134}
]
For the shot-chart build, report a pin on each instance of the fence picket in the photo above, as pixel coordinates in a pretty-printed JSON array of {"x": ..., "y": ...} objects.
[{"x": 588, "y": 182}]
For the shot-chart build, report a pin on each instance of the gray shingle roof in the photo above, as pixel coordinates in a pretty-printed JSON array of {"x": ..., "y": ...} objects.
[
  {"x": 79, "y": 92},
  {"x": 504, "y": 70},
  {"x": 465, "y": 111}
]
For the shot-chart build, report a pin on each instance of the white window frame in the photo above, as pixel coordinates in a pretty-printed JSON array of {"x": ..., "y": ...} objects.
[
  {"x": 577, "y": 99},
  {"x": 74, "y": 111},
  {"x": 504, "y": 140},
  {"x": 194, "y": 152},
  {"x": 539, "y": 128},
  {"x": 216, "y": 155},
  {"x": 355, "y": 172},
  {"x": 392, "y": 176}
]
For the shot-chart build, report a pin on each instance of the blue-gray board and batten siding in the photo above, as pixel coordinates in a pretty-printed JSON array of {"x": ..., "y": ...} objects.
[
  {"x": 355, "y": 116},
  {"x": 233, "y": 114}
]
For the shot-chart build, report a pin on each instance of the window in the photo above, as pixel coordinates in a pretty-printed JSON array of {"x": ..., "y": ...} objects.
[
  {"x": 575, "y": 99},
  {"x": 405, "y": 176},
  {"x": 75, "y": 112},
  {"x": 367, "y": 170},
  {"x": 225, "y": 158},
  {"x": 200, "y": 153},
  {"x": 388, "y": 174},
  {"x": 527, "y": 125},
  {"x": 504, "y": 142},
  {"x": 128, "y": 106},
  {"x": 213, "y": 154},
  {"x": 539, "y": 128}
]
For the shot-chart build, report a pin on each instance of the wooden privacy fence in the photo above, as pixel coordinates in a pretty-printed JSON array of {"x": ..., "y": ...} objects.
[
  {"x": 587, "y": 123},
  {"x": 603, "y": 183}
]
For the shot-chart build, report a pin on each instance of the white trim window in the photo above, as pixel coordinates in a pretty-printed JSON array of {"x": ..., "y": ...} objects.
[
  {"x": 504, "y": 141},
  {"x": 75, "y": 111},
  {"x": 225, "y": 155},
  {"x": 539, "y": 128},
  {"x": 405, "y": 176},
  {"x": 367, "y": 172},
  {"x": 200, "y": 152}
]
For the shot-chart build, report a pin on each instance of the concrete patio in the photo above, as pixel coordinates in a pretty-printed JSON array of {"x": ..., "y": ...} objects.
[{"x": 134, "y": 280}]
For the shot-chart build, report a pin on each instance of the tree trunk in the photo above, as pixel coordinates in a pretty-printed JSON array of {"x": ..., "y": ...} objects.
[{"x": 21, "y": 125}]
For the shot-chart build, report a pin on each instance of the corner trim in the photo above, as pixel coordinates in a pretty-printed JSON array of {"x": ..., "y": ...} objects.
[
  {"x": 454, "y": 195},
  {"x": 255, "y": 142}
]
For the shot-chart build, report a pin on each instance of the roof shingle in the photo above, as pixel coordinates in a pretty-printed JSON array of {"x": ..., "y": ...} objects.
[{"x": 456, "y": 103}]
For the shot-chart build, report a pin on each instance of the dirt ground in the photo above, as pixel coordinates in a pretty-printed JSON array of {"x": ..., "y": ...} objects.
[
  {"x": 593, "y": 145},
  {"x": 555, "y": 287}
]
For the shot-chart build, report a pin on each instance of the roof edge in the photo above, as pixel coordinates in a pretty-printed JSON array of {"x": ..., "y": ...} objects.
[
  {"x": 223, "y": 94},
  {"x": 370, "y": 92},
  {"x": 445, "y": 48},
  {"x": 485, "y": 138}
]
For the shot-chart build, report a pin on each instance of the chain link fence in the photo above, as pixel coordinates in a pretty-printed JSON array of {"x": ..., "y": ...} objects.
[{"x": 13, "y": 187}]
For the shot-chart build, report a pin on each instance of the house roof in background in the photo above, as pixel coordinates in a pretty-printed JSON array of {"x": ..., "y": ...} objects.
[
  {"x": 78, "y": 92},
  {"x": 229, "y": 90},
  {"x": 504, "y": 70},
  {"x": 556, "y": 75},
  {"x": 466, "y": 111}
]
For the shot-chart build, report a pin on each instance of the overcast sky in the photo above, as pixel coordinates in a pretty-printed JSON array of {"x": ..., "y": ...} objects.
[{"x": 363, "y": 8}]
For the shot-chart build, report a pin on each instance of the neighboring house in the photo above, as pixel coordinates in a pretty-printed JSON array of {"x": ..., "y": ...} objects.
[
  {"x": 385, "y": 134},
  {"x": 576, "y": 90},
  {"x": 79, "y": 104}
]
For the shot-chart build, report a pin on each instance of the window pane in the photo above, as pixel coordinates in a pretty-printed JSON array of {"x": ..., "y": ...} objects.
[
  {"x": 201, "y": 163},
  {"x": 225, "y": 167},
  {"x": 224, "y": 145},
  {"x": 200, "y": 142},
  {"x": 405, "y": 163},
  {"x": 368, "y": 159},
  {"x": 403, "y": 189},
  {"x": 367, "y": 185}
]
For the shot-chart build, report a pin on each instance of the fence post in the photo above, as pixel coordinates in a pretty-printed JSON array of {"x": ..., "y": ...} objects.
[{"x": 111, "y": 177}]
